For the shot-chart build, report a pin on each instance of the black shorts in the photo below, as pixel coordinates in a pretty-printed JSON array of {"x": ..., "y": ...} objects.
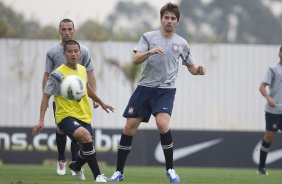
[
  {"x": 273, "y": 122},
  {"x": 146, "y": 101},
  {"x": 70, "y": 124}
]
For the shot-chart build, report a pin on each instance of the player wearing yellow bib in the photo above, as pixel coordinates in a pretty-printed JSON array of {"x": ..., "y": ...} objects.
[
  {"x": 70, "y": 108},
  {"x": 73, "y": 117}
]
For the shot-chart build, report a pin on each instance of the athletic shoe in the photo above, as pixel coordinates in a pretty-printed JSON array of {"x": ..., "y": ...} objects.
[
  {"x": 72, "y": 171},
  {"x": 61, "y": 167},
  {"x": 262, "y": 171},
  {"x": 117, "y": 176},
  {"x": 172, "y": 176},
  {"x": 101, "y": 178},
  {"x": 78, "y": 174}
]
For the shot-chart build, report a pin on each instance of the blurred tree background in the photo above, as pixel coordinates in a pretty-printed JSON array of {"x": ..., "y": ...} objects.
[{"x": 201, "y": 21}]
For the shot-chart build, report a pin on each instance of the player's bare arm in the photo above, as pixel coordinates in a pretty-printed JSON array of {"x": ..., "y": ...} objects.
[
  {"x": 196, "y": 70},
  {"x": 264, "y": 93},
  {"x": 94, "y": 97},
  {"x": 44, "y": 80},
  {"x": 139, "y": 57},
  {"x": 92, "y": 82},
  {"x": 43, "y": 107}
]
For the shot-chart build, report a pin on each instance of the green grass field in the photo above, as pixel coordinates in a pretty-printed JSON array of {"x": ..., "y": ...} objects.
[{"x": 39, "y": 174}]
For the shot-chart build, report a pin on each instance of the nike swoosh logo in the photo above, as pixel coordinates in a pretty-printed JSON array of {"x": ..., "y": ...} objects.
[
  {"x": 185, "y": 151},
  {"x": 272, "y": 156}
]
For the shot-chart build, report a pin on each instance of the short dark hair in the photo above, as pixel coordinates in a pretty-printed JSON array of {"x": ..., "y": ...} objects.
[
  {"x": 66, "y": 21},
  {"x": 280, "y": 48},
  {"x": 70, "y": 42},
  {"x": 173, "y": 8}
]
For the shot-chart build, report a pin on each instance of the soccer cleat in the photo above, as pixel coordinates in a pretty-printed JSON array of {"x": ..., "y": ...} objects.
[
  {"x": 172, "y": 176},
  {"x": 72, "y": 171},
  {"x": 117, "y": 176},
  {"x": 78, "y": 174},
  {"x": 262, "y": 171},
  {"x": 101, "y": 178},
  {"x": 61, "y": 167}
]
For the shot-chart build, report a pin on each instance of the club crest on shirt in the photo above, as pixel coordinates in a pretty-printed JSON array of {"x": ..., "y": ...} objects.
[
  {"x": 175, "y": 47},
  {"x": 130, "y": 110}
]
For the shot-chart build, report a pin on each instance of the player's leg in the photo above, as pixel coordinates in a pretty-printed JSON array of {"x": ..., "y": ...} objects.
[
  {"x": 264, "y": 149},
  {"x": 75, "y": 147},
  {"x": 61, "y": 140},
  {"x": 88, "y": 152},
  {"x": 272, "y": 121},
  {"x": 162, "y": 120},
  {"x": 162, "y": 109},
  {"x": 137, "y": 107},
  {"x": 82, "y": 132},
  {"x": 124, "y": 147}
]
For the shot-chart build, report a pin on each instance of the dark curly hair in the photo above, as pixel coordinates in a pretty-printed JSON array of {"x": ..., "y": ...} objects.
[{"x": 173, "y": 8}]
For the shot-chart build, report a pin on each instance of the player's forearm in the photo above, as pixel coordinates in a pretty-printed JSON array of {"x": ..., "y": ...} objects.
[
  {"x": 92, "y": 80},
  {"x": 140, "y": 57},
  {"x": 192, "y": 69},
  {"x": 43, "y": 107},
  {"x": 93, "y": 95},
  {"x": 263, "y": 91}
]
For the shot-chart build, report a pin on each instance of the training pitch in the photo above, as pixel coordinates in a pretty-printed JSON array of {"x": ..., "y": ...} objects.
[{"x": 46, "y": 174}]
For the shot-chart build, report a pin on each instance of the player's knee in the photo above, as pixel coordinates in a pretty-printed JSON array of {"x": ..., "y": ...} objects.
[
  {"x": 269, "y": 136},
  {"x": 82, "y": 135},
  {"x": 130, "y": 129},
  {"x": 163, "y": 127}
]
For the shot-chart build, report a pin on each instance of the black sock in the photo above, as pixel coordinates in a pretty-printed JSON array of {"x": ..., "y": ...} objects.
[
  {"x": 167, "y": 145},
  {"x": 263, "y": 153},
  {"x": 80, "y": 161},
  {"x": 123, "y": 151},
  {"x": 74, "y": 150},
  {"x": 90, "y": 156},
  {"x": 61, "y": 140}
]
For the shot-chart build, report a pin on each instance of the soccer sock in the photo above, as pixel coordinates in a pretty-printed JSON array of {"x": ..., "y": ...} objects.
[
  {"x": 90, "y": 156},
  {"x": 74, "y": 150},
  {"x": 61, "y": 140},
  {"x": 80, "y": 161},
  {"x": 167, "y": 145},
  {"x": 263, "y": 153},
  {"x": 123, "y": 151}
]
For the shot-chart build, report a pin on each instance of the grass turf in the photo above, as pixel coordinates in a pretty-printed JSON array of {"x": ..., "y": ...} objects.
[{"x": 46, "y": 174}]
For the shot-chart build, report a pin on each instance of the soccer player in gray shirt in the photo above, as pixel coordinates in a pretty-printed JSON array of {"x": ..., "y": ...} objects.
[
  {"x": 159, "y": 52},
  {"x": 54, "y": 58},
  {"x": 273, "y": 108}
]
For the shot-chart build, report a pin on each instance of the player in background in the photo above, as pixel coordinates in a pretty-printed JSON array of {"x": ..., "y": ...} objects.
[
  {"x": 273, "y": 108},
  {"x": 54, "y": 58},
  {"x": 159, "y": 52},
  {"x": 72, "y": 117}
]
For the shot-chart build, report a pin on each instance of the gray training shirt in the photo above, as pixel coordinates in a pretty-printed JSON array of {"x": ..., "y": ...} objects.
[
  {"x": 161, "y": 70},
  {"x": 273, "y": 77},
  {"x": 55, "y": 57}
]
